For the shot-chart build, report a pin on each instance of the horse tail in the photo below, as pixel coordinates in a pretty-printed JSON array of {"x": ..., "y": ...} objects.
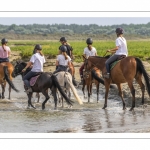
[
  {"x": 8, "y": 78},
  {"x": 73, "y": 89},
  {"x": 96, "y": 77},
  {"x": 141, "y": 69},
  {"x": 74, "y": 81},
  {"x": 60, "y": 89}
]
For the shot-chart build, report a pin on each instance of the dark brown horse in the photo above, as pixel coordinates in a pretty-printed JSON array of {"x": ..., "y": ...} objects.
[
  {"x": 88, "y": 80},
  {"x": 124, "y": 71},
  {"x": 6, "y": 69},
  {"x": 43, "y": 83}
]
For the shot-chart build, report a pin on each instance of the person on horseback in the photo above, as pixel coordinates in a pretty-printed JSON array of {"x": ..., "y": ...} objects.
[
  {"x": 63, "y": 41},
  {"x": 88, "y": 51},
  {"x": 119, "y": 51},
  {"x": 63, "y": 61},
  {"x": 36, "y": 61},
  {"x": 4, "y": 51}
]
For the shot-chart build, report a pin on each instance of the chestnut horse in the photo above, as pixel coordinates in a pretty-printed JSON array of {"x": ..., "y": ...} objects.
[
  {"x": 6, "y": 69},
  {"x": 88, "y": 80},
  {"x": 124, "y": 71}
]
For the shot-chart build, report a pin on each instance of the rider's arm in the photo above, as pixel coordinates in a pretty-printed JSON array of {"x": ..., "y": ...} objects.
[
  {"x": 28, "y": 65},
  {"x": 113, "y": 50},
  {"x": 57, "y": 63}
]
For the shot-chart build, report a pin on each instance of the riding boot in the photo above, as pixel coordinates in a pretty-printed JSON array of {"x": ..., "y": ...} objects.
[{"x": 29, "y": 90}]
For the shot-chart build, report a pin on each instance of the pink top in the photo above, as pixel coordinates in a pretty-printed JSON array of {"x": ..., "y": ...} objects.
[{"x": 4, "y": 54}]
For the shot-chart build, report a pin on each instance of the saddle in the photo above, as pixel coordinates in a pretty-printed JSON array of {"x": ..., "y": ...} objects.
[
  {"x": 33, "y": 80},
  {"x": 112, "y": 65}
]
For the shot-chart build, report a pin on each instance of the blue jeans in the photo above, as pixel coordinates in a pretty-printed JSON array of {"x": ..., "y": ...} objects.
[
  {"x": 28, "y": 76},
  {"x": 110, "y": 60},
  {"x": 4, "y": 60},
  {"x": 60, "y": 68}
]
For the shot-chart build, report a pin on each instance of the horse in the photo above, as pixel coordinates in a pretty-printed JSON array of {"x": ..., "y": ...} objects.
[
  {"x": 88, "y": 80},
  {"x": 45, "y": 81},
  {"x": 6, "y": 69},
  {"x": 124, "y": 71},
  {"x": 65, "y": 81}
]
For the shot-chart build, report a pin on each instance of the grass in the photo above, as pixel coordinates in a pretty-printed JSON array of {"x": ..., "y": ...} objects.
[{"x": 139, "y": 49}]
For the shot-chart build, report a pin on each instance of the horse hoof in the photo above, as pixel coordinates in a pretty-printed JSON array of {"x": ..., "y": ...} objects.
[
  {"x": 103, "y": 107},
  {"x": 131, "y": 109}
]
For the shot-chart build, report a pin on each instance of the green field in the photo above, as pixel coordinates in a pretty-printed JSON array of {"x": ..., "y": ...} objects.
[{"x": 139, "y": 49}]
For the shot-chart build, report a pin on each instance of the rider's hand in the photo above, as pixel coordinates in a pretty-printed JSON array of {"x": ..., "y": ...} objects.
[
  {"x": 23, "y": 70},
  {"x": 108, "y": 50}
]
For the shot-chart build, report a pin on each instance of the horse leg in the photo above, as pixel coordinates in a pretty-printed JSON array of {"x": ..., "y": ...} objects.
[
  {"x": 133, "y": 94},
  {"x": 54, "y": 90},
  {"x": 97, "y": 87},
  {"x": 121, "y": 95},
  {"x": 83, "y": 88},
  {"x": 38, "y": 96},
  {"x": 3, "y": 89},
  {"x": 107, "y": 85},
  {"x": 9, "y": 91},
  {"x": 45, "y": 93},
  {"x": 88, "y": 89},
  {"x": 142, "y": 86},
  {"x": 29, "y": 100}
]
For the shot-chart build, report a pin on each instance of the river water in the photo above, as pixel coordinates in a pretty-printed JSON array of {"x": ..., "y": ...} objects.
[{"x": 16, "y": 117}]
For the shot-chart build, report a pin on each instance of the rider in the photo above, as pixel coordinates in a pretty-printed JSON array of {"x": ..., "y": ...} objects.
[
  {"x": 88, "y": 51},
  {"x": 37, "y": 60},
  {"x": 120, "y": 49},
  {"x": 63, "y": 41},
  {"x": 4, "y": 51},
  {"x": 63, "y": 60}
]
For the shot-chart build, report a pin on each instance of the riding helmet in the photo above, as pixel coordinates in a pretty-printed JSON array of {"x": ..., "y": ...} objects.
[
  {"x": 4, "y": 41},
  {"x": 63, "y": 48},
  {"x": 63, "y": 39},
  {"x": 89, "y": 41},
  {"x": 38, "y": 47},
  {"x": 119, "y": 30}
]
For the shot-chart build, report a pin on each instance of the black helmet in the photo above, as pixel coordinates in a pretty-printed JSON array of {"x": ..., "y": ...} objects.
[
  {"x": 63, "y": 48},
  {"x": 63, "y": 39},
  {"x": 4, "y": 41},
  {"x": 119, "y": 31},
  {"x": 38, "y": 47},
  {"x": 89, "y": 41}
]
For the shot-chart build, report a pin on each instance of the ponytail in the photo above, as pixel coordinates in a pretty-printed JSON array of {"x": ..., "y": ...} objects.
[
  {"x": 65, "y": 54},
  {"x": 41, "y": 53},
  {"x": 4, "y": 48}
]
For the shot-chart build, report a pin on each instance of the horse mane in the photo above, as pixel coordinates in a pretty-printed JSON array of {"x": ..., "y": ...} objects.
[{"x": 106, "y": 57}]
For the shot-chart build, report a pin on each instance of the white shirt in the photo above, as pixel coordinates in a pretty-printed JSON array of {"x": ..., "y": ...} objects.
[
  {"x": 122, "y": 46},
  {"x": 61, "y": 60},
  {"x": 38, "y": 62},
  {"x": 91, "y": 52}
]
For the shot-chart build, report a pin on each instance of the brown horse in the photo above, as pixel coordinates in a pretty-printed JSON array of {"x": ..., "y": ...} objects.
[
  {"x": 124, "y": 71},
  {"x": 6, "y": 69},
  {"x": 88, "y": 80}
]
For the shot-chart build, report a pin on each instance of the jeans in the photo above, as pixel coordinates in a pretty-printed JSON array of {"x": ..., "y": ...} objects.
[
  {"x": 109, "y": 61},
  {"x": 28, "y": 76},
  {"x": 60, "y": 68},
  {"x": 4, "y": 60}
]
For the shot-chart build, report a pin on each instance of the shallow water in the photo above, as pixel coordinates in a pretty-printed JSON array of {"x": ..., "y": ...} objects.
[{"x": 15, "y": 117}]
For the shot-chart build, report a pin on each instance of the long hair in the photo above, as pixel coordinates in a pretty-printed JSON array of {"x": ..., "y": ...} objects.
[
  {"x": 3, "y": 47},
  {"x": 65, "y": 54},
  {"x": 41, "y": 53}
]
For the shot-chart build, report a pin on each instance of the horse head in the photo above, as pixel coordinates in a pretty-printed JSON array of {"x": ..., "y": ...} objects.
[{"x": 18, "y": 68}]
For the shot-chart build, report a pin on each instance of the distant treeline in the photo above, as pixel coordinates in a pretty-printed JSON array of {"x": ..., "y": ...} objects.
[{"x": 131, "y": 30}]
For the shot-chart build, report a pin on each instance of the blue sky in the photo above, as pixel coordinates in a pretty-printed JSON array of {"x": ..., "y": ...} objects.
[{"x": 74, "y": 20}]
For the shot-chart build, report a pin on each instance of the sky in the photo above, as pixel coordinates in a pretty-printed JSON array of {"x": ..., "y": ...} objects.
[{"x": 74, "y": 20}]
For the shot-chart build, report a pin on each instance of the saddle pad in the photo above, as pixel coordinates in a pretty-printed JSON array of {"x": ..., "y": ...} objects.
[
  {"x": 33, "y": 80},
  {"x": 113, "y": 64}
]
